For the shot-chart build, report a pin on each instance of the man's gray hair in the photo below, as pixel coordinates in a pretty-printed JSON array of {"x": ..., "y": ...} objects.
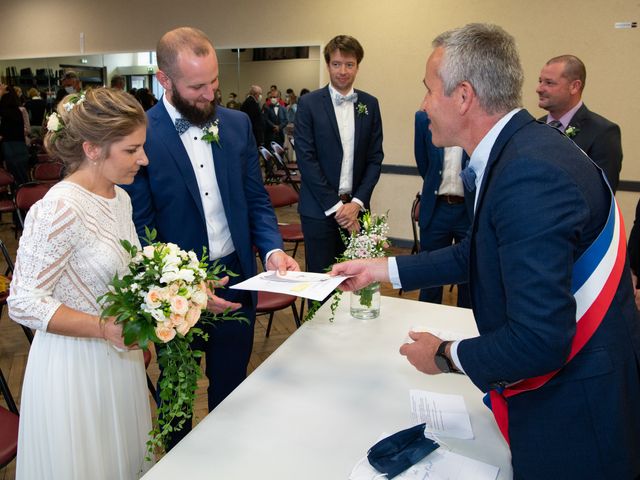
[{"x": 485, "y": 56}]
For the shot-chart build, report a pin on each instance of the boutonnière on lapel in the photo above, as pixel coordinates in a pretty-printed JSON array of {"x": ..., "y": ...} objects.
[
  {"x": 571, "y": 131},
  {"x": 212, "y": 133},
  {"x": 361, "y": 108}
]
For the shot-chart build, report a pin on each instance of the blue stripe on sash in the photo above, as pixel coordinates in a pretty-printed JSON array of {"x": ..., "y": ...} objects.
[{"x": 589, "y": 260}]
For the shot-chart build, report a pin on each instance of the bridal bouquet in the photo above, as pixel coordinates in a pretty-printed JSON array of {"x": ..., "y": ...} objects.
[
  {"x": 370, "y": 242},
  {"x": 160, "y": 300}
]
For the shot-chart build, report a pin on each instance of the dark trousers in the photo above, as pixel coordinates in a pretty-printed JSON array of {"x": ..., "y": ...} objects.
[
  {"x": 449, "y": 223},
  {"x": 228, "y": 349},
  {"x": 322, "y": 242},
  {"x": 16, "y": 158}
]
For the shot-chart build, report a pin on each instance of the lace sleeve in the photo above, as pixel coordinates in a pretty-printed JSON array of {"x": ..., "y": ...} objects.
[{"x": 48, "y": 240}]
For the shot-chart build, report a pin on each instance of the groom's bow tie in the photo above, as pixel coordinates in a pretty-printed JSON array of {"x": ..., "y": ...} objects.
[
  {"x": 340, "y": 99},
  {"x": 468, "y": 176},
  {"x": 183, "y": 125}
]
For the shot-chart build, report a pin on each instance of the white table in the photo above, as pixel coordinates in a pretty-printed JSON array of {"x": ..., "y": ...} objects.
[{"x": 317, "y": 404}]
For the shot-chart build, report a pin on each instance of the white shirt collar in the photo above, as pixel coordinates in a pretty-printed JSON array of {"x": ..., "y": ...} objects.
[{"x": 171, "y": 110}]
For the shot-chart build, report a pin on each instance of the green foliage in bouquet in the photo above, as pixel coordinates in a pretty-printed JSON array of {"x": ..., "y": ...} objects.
[{"x": 162, "y": 299}]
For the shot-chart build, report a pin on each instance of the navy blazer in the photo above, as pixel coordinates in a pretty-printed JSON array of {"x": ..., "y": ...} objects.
[
  {"x": 319, "y": 151},
  {"x": 600, "y": 139},
  {"x": 165, "y": 193},
  {"x": 541, "y": 204},
  {"x": 430, "y": 159}
]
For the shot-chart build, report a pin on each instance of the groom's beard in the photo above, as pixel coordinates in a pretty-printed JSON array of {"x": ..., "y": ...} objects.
[{"x": 195, "y": 115}]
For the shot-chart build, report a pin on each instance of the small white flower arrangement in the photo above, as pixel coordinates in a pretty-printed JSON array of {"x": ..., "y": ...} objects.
[
  {"x": 571, "y": 131},
  {"x": 361, "y": 108},
  {"x": 55, "y": 124},
  {"x": 73, "y": 101},
  {"x": 212, "y": 133}
]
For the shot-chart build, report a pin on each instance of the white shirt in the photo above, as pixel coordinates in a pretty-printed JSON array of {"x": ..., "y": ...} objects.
[
  {"x": 451, "y": 183},
  {"x": 478, "y": 162},
  {"x": 345, "y": 117},
  {"x": 201, "y": 156}
]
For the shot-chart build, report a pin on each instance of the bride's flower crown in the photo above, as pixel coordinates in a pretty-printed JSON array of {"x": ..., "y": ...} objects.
[{"x": 55, "y": 124}]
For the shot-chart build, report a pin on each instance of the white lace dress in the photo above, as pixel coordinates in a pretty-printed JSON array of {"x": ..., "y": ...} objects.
[{"x": 84, "y": 406}]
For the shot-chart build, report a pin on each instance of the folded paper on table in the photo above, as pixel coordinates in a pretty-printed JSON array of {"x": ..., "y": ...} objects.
[
  {"x": 444, "y": 414},
  {"x": 314, "y": 286}
]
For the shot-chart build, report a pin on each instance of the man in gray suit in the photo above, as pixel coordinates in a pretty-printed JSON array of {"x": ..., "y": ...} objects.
[{"x": 560, "y": 88}]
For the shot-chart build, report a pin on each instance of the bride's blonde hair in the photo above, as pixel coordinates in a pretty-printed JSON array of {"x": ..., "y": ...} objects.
[{"x": 100, "y": 116}]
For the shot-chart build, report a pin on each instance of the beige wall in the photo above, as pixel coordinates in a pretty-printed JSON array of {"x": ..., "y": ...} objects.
[{"x": 396, "y": 38}]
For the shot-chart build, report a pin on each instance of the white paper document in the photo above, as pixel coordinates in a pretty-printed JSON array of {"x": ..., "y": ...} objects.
[
  {"x": 438, "y": 465},
  {"x": 443, "y": 414},
  {"x": 315, "y": 286}
]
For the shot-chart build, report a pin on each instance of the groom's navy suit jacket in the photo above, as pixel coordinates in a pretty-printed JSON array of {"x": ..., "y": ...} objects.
[
  {"x": 165, "y": 194},
  {"x": 541, "y": 204},
  {"x": 319, "y": 151}
]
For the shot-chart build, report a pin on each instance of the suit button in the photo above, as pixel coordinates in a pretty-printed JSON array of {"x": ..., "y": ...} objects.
[
  {"x": 440, "y": 172},
  {"x": 435, "y": 192}
]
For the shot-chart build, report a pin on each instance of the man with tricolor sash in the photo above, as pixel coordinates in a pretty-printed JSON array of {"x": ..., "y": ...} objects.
[{"x": 559, "y": 348}]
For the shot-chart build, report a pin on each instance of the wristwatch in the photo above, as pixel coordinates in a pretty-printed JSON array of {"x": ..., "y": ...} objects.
[{"x": 442, "y": 361}]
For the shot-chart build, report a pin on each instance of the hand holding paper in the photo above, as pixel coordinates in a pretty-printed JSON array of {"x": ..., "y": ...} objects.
[{"x": 315, "y": 286}]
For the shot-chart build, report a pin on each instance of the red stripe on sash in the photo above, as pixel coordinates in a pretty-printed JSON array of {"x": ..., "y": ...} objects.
[{"x": 585, "y": 328}]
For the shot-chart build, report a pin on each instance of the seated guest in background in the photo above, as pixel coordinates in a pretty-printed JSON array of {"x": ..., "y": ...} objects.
[
  {"x": 275, "y": 119},
  {"x": 70, "y": 82},
  {"x": 292, "y": 105},
  {"x": 36, "y": 106},
  {"x": 274, "y": 89},
  {"x": 118, "y": 82},
  {"x": 25, "y": 115},
  {"x": 540, "y": 205},
  {"x": 446, "y": 206},
  {"x": 304, "y": 91},
  {"x": 233, "y": 101},
  {"x": 251, "y": 106},
  {"x": 14, "y": 148},
  {"x": 338, "y": 143},
  {"x": 218, "y": 97},
  {"x": 146, "y": 98},
  {"x": 207, "y": 194},
  {"x": 560, "y": 88},
  {"x": 84, "y": 409}
]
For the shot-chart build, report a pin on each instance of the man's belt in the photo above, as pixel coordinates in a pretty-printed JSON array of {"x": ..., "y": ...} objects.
[
  {"x": 451, "y": 199},
  {"x": 345, "y": 197}
]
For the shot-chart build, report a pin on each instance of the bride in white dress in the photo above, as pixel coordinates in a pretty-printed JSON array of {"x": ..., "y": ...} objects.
[{"x": 84, "y": 406}]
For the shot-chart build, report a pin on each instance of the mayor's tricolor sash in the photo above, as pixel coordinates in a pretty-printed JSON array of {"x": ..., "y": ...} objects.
[{"x": 595, "y": 280}]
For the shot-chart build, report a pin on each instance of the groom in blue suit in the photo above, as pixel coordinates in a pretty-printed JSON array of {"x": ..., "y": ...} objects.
[
  {"x": 540, "y": 204},
  {"x": 446, "y": 206},
  {"x": 338, "y": 141},
  {"x": 207, "y": 192}
]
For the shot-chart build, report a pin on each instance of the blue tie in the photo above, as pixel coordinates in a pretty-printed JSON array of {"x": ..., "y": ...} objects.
[
  {"x": 556, "y": 124},
  {"x": 340, "y": 99},
  {"x": 183, "y": 125},
  {"x": 468, "y": 176}
]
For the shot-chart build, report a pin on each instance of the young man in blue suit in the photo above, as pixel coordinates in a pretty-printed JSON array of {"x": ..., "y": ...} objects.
[
  {"x": 338, "y": 141},
  {"x": 565, "y": 392},
  {"x": 207, "y": 193},
  {"x": 560, "y": 88},
  {"x": 446, "y": 206}
]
